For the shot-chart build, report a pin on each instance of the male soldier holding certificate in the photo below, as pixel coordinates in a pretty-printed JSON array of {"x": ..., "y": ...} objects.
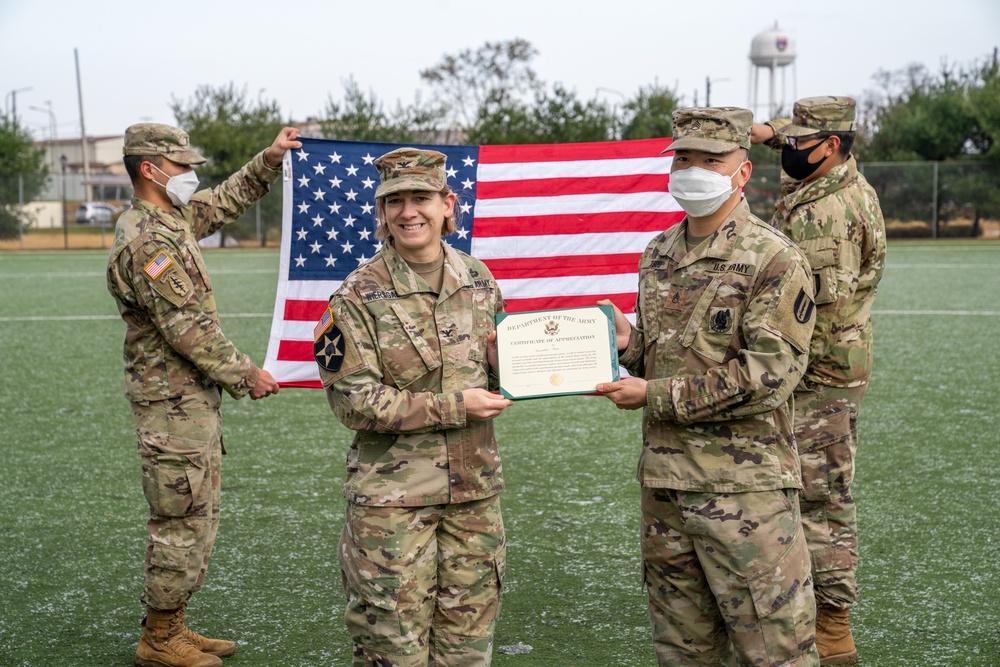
[{"x": 721, "y": 338}]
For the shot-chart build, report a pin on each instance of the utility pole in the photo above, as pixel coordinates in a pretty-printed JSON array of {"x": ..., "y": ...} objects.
[
  {"x": 83, "y": 131},
  {"x": 708, "y": 90},
  {"x": 13, "y": 102},
  {"x": 62, "y": 161}
]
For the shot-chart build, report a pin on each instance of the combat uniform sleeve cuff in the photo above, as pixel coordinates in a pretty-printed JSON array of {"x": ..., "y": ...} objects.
[
  {"x": 243, "y": 387},
  {"x": 633, "y": 353},
  {"x": 778, "y": 141},
  {"x": 453, "y": 411},
  {"x": 659, "y": 399},
  {"x": 262, "y": 170}
]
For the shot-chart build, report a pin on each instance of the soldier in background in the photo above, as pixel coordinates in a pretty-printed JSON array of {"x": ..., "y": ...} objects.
[
  {"x": 407, "y": 355},
  {"x": 833, "y": 215},
  {"x": 721, "y": 338},
  {"x": 177, "y": 361}
]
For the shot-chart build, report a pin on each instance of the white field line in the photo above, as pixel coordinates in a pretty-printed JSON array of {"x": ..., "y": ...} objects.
[
  {"x": 246, "y": 316},
  {"x": 250, "y": 272},
  {"x": 88, "y": 318},
  {"x": 102, "y": 274}
]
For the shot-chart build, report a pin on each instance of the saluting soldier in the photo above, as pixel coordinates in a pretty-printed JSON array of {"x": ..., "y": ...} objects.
[
  {"x": 721, "y": 338},
  {"x": 177, "y": 361},
  {"x": 407, "y": 355},
  {"x": 833, "y": 215}
]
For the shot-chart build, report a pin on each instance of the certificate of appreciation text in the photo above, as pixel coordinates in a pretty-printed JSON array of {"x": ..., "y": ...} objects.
[{"x": 556, "y": 352}]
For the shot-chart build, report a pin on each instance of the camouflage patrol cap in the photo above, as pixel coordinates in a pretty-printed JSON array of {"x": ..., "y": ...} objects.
[
  {"x": 411, "y": 169},
  {"x": 811, "y": 115},
  {"x": 711, "y": 129},
  {"x": 157, "y": 139}
]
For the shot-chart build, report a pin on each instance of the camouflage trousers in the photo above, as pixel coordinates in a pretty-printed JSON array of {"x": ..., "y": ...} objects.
[
  {"x": 180, "y": 444},
  {"x": 727, "y": 578},
  {"x": 423, "y": 583},
  {"x": 826, "y": 432}
]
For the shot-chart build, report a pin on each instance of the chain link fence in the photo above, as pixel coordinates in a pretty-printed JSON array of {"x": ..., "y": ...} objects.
[{"x": 918, "y": 199}]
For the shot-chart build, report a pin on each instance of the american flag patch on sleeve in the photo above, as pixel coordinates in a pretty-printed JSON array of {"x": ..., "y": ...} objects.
[
  {"x": 323, "y": 324},
  {"x": 158, "y": 265}
]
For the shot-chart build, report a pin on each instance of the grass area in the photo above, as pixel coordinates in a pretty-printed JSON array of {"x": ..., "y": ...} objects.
[{"x": 72, "y": 529}]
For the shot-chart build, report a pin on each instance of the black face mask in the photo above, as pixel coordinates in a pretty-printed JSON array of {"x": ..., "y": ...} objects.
[{"x": 796, "y": 163}]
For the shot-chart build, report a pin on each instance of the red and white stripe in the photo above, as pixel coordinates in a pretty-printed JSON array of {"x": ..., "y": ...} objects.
[{"x": 558, "y": 225}]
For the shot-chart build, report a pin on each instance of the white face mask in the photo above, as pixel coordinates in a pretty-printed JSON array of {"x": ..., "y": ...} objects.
[
  {"x": 179, "y": 188},
  {"x": 700, "y": 192}
]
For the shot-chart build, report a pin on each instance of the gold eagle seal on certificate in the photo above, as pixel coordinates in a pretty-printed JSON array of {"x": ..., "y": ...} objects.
[{"x": 555, "y": 379}]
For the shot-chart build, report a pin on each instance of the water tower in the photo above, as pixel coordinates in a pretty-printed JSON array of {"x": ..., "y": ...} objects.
[{"x": 772, "y": 49}]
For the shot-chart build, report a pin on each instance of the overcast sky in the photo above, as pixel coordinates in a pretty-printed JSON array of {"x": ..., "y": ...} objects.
[{"x": 135, "y": 56}]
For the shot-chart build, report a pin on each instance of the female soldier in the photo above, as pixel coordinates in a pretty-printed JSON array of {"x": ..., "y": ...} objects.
[{"x": 407, "y": 355}]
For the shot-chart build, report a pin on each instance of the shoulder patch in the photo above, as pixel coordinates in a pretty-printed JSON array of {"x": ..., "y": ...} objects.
[
  {"x": 804, "y": 307},
  {"x": 328, "y": 347},
  {"x": 168, "y": 279},
  {"x": 158, "y": 265},
  {"x": 324, "y": 323}
]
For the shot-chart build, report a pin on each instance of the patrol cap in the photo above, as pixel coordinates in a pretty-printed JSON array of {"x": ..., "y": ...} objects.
[
  {"x": 811, "y": 115},
  {"x": 157, "y": 139},
  {"x": 410, "y": 169},
  {"x": 711, "y": 129}
]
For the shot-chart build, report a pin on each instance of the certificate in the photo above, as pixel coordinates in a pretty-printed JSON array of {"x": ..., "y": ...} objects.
[{"x": 556, "y": 352}]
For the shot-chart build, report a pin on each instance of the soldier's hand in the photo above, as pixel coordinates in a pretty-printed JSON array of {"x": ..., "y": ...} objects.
[
  {"x": 623, "y": 328},
  {"x": 266, "y": 385},
  {"x": 628, "y": 393},
  {"x": 287, "y": 139},
  {"x": 759, "y": 133},
  {"x": 491, "y": 352},
  {"x": 482, "y": 405}
]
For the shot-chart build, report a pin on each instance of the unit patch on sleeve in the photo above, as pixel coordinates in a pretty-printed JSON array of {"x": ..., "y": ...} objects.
[
  {"x": 328, "y": 347},
  {"x": 168, "y": 279}
]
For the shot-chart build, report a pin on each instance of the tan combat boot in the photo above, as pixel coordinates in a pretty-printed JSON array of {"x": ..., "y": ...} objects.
[
  {"x": 834, "y": 641},
  {"x": 163, "y": 644},
  {"x": 220, "y": 647}
]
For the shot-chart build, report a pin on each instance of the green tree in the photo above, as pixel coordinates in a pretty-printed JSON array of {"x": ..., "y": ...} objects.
[
  {"x": 23, "y": 174},
  {"x": 930, "y": 119},
  {"x": 984, "y": 102},
  {"x": 229, "y": 129},
  {"x": 362, "y": 117},
  {"x": 649, "y": 114},
  {"x": 564, "y": 118},
  {"x": 556, "y": 117},
  {"x": 952, "y": 118},
  {"x": 474, "y": 85}
]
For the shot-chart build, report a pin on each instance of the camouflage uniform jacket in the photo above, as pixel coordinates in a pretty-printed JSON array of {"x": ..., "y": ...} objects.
[
  {"x": 721, "y": 336},
  {"x": 406, "y": 356},
  {"x": 837, "y": 222},
  {"x": 173, "y": 342}
]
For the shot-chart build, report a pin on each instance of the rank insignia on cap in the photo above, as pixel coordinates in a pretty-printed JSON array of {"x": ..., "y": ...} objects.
[{"x": 159, "y": 264}]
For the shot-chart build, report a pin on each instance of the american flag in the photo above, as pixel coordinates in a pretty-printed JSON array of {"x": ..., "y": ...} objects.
[{"x": 559, "y": 225}]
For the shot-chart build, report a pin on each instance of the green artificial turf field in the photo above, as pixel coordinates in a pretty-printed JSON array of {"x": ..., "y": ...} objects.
[{"x": 72, "y": 527}]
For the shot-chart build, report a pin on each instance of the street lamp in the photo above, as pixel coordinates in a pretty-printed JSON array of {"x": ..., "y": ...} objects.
[
  {"x": 13, "y": 99},
  {"x": 708, "y": 89},
  {"x": 52, "y": 129},
  {"x": 62, "y": 161}
]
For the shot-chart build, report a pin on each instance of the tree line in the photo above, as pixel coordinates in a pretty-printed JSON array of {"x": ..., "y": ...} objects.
[{"x": 493, "y": 95}]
